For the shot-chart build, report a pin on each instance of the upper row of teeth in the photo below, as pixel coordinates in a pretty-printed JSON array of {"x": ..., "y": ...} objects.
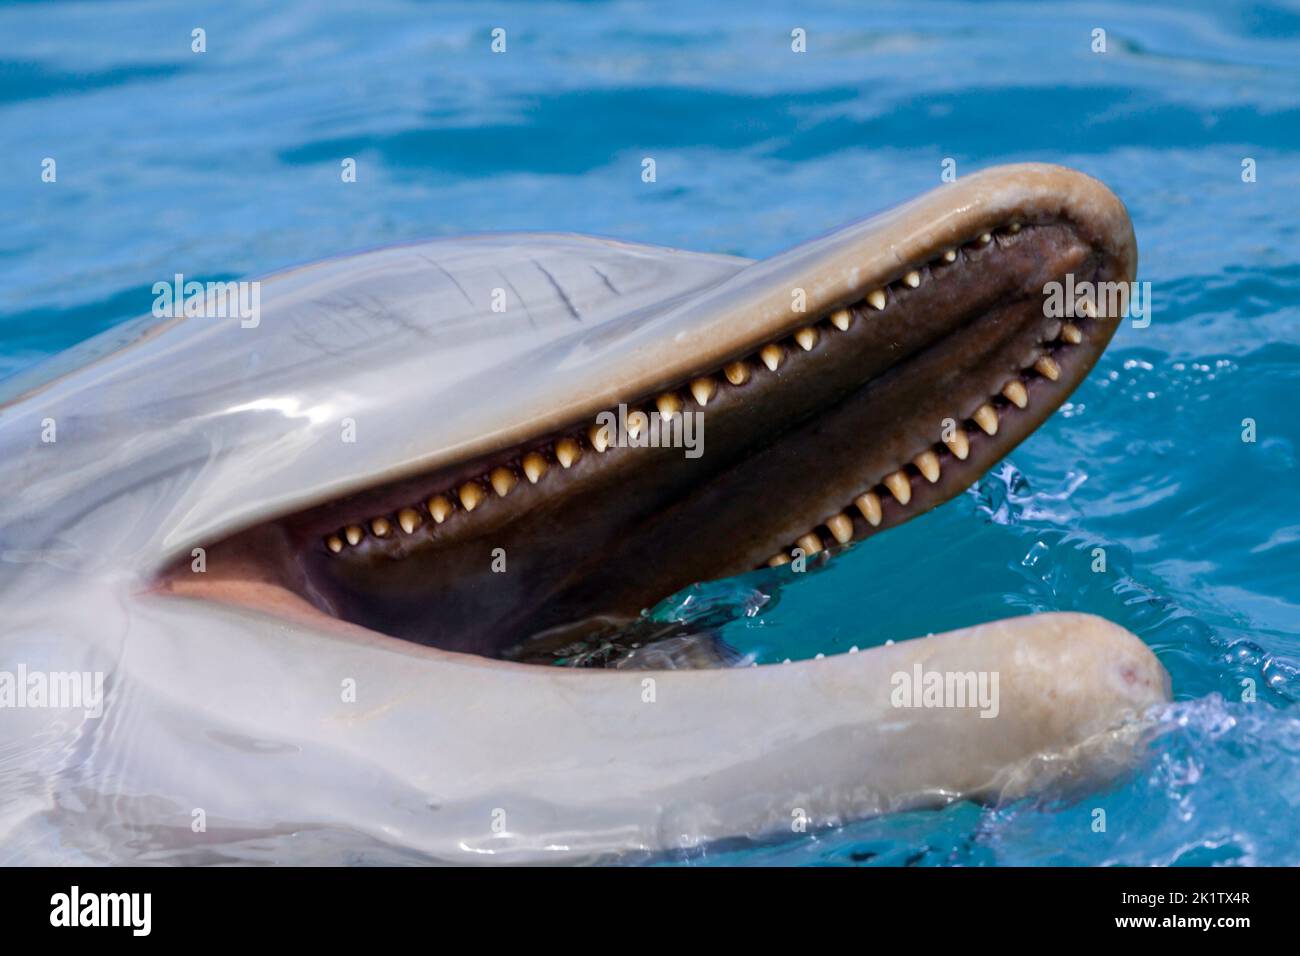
[
  {"x": 566, "y": 451},
  {"x": 898, "y": 484}
]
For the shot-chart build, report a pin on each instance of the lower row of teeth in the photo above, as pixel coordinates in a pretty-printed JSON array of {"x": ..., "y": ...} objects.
[
  {"x": 898, "y": 484},
  {"x": 565, "y": 452}
]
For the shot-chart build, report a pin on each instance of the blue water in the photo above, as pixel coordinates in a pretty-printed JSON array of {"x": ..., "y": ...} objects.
[{"x": 226, "y": 164}]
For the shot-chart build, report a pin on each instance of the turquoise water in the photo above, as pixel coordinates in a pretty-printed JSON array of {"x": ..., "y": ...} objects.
[{"x": 225, "y": 164}]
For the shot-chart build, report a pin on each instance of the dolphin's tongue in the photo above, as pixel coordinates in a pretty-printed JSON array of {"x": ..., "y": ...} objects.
[{"x": 639, "y": 644}]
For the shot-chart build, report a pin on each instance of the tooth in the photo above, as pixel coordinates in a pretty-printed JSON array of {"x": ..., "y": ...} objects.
[
  {"x": 841, "y": 526},
  {"x": 334, "y": 543},
  {"x": 737, "y": 373},
  {"x": 503, "y": 481},
  {"x": 987, "y": 419},
  {"x": 950, "y": 255},
  {"x": 598, "y": 435},
  {"x": 636, "y": 420},
  {"x": 1086, "y": 308},
  {"x": 776, "y": 560},
  {"x": 927, "y": 463},
  {"x": 913, "y": 279},
  {"x": 958, "y": 444},
  {"x": 841, "y": 319},
  {"x": 470, "y": 495},
  {"x": 986, "y": 238},
  {"x": 1014, "y": 227},
  {"x": 567, "y": 451},
  {"x": 807, "y": 338},
  {"x": 771, "y": 355},
  {"x": 1047, "y": 367},
  {"x": 810, "y": 543},
  {"x": 439, "y": 507},
  {"x": 353, "y": 533},
  {"x": 534, "y": 467},
  {"x": 1071, "y": 333},
  {"x": 409, "y": 519},
  {"x": 869, "y": 505},
  {"x": 668, "y": 404},
  {"x": 899, "y": 486},
  {"x": 876, "y": 298},
  {"x": 1016, "y": 393},
  {"x": 703, "y": 389}
]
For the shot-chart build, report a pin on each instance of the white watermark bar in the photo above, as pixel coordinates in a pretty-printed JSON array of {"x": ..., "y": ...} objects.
[
  {"x": 211, "y": 300},
  {"x": 946, "y": 689},
  {"x": 1107, "y": 300},
  {"x": 638, "y": 429},
  {"x": 77, "y": 909},
  {"x": 62, "y": 690}
]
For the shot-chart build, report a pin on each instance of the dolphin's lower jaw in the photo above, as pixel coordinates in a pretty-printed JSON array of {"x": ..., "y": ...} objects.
[{"x": 924, "y": 356}]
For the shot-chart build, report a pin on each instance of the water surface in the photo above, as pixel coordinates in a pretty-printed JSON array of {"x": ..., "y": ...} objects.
[{"x": 227, "y": 164}]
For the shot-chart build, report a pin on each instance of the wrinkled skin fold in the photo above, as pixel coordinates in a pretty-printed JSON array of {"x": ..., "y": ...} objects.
[{"x": 304, "y": 632}]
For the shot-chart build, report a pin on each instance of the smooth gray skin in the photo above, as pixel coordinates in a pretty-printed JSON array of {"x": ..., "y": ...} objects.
[{"x": 200, "y": 427}]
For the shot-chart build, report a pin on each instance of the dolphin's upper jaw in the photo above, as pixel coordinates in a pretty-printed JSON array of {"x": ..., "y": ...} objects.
[{"x": 893, "y": 392}]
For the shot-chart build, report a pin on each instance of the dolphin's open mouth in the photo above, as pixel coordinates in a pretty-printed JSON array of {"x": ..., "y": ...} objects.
[
  {"x": 891, "y": 393},
  {"x": 330, "y": 545}
]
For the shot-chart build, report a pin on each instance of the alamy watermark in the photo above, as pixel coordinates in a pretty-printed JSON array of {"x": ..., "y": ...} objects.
[
  {"x": 638, "y": 429},
  {"x": 66, "y": 690},
  {"x": 74, "y": 908},
  {"x": 946, "y": 689},
  {"x": 1092, "y": 300},
  {"x": 210, "y": 300}
]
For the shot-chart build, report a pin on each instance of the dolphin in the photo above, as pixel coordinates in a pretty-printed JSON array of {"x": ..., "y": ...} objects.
[{"x": 303, "y": 551}]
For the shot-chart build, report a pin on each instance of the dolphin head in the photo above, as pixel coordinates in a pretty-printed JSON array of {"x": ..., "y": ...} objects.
[{"x": 412, "y": 460}]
